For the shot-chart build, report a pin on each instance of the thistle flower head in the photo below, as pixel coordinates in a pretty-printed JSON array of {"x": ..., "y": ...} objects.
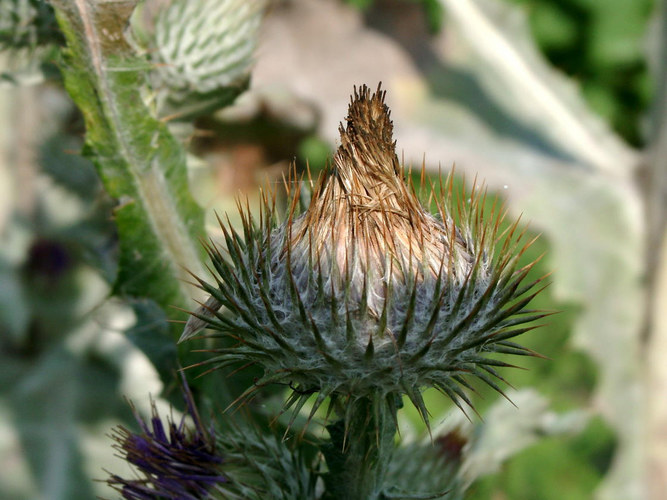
[
  {"x": 172, "y": 462},
  {"x": 366, "y": 294}
]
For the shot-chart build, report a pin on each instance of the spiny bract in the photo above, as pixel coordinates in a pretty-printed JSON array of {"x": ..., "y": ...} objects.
[{"x": 366, "y": 294}]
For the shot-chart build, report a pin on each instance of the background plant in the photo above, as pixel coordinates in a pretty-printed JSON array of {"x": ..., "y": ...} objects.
[{"x": 60, "y": 245}]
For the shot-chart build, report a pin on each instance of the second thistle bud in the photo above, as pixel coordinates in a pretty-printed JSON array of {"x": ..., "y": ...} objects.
[
  {"x": 367, "y": 294},
  {"x": 203, "y": 50}
]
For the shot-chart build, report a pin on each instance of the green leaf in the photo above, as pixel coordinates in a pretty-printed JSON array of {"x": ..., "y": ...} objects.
[
  {"x": 150, "y": 334},
  {"x": 47, "y": 399},
  {"x": 14, "y": 313},
  {"x": 141, "y": 164}
]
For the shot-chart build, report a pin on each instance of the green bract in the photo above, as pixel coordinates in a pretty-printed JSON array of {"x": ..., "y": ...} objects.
[{"x": 366, "y": 295}]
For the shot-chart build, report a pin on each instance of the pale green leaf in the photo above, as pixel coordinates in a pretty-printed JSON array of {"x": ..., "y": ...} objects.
[{"x": 141, "y": 164}]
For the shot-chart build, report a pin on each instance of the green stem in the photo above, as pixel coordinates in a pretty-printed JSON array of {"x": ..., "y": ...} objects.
[{"x": 360, "y": 450}]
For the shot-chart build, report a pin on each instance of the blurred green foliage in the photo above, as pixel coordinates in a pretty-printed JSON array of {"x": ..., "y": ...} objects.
[{"x": 27, "y": 23}]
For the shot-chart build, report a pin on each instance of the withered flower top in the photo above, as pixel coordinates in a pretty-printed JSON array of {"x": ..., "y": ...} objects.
[
  {"x": 367, "y": 220},
  {"x": 366, "y": 294}
]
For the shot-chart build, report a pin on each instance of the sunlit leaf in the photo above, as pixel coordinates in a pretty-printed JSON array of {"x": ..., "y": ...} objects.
[{"x": 142, "y": 166}]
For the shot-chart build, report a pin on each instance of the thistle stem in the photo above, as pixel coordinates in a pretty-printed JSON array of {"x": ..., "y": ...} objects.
[{"x": 358, "y": 457}]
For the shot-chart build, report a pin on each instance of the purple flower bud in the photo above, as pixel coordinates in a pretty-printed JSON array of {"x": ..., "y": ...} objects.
[{"x": 176, "y": 462}]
